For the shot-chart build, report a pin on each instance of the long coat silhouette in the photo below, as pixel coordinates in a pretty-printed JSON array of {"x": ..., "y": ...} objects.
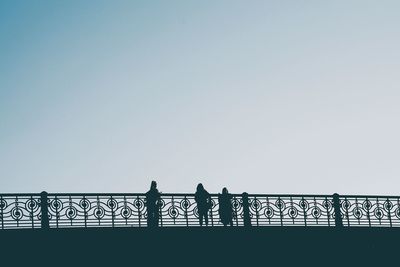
[
  {"x": 153, "y": 205},
  {"x": 203, "y": 200},
  {"x": 225, "y": 207}
]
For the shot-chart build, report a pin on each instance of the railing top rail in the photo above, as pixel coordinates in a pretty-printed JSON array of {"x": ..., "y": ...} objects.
[
  {"x": 192, "y": 194},
  {"x": 186, "y": 194},
  {"x": 19, "y": 194}
]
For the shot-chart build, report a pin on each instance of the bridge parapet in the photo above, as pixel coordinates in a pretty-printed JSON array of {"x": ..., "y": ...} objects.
[{"x": 78, "y": 210}]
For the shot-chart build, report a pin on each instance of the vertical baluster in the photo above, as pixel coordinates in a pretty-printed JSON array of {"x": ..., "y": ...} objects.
[
  {"x": 160, "y": 214},
  {"x": 291, "y": 209},
  {"x": 368, "y": 206},
  {"x": 327, "y": 211},
  {"x": 398, "y": 207},
  {"x": 173, "y": 209},
  {"x": 380, "y": 217},
  {"x": 347, "y": 210},
  {"x": 304, "y": 210},
  {"x": 268, "y": 207},
  {"x": 112, "y": 211},
  {"x": 138, "y": 208},
  {"x": 98, "y": 210},
  {"x": 186, "y": 213},
  {"x": 85, "y": 214},
  {"x": 389, "y": 208},
  {"x": 358, "y": 217},
  {"x": 236, "y": 208},
  {"x": 211, "y": 212},
  {"x": 57, "y": 211},
  {"x": 315, "y": 211},
  {"x": 280, "y": 210},
  {"x": 16, "y": 208},
  {"x": 2, "y": 206},
  {"x": 125, "y": 210},
  {"x": 31, "y": 213},
  {"x": 70, "y": 210},
  {"x": 256, "y": 207}
]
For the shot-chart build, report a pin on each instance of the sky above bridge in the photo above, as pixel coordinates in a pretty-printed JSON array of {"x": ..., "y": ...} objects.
[{"x": 257, "y": 96}]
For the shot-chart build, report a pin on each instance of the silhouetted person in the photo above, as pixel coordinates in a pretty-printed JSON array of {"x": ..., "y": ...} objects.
[
  {"x": 246, "y": 210},
  {"x": 153, "y": 205},
  {"x": 203, "y": 200},
  {"x": 225, "y": 207}
]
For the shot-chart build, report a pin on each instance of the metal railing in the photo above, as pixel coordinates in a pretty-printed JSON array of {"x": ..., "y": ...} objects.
[{"x": 129, "y": 210}]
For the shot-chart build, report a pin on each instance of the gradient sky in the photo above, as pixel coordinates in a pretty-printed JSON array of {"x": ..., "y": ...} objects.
[{"x": 259, "y": 96}]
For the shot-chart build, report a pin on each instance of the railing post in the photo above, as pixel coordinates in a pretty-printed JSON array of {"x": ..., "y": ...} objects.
[
  {"x": 44, "y": 210},
  {"x": 246, "y": 210},
  {"x": 336, "y": 209}
]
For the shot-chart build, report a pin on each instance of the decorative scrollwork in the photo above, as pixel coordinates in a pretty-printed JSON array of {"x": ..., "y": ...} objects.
[
  {"x": 161, "y": 203},
  {"x": 388, "y": 205},
  {"x": 293, "y": 212},
  {"x": 236, "y": 204},
  {"x": 31, "y": 205},
  {"x": 185, "y": 204},
  {"x": 112, "y": 204},
  {"x": 255, "y": 204},
  {"x": 3, "y": 204},
  {"x": 316, "y": 212},
  {"x": 99, "y": 212},
  {"x": 17, "y": 213},
  {"x": 196, "y": 212},
  {"x": 269, "y": 212},
  {"x": 327, "y": 204},
  {"x": 397, "y": 213},
  {"x": 280, "y": 204},
  {"x": 304, "y": 204},
  {"x": 358, "y": 213},
  {"x": 71, "y": 213},
  {"x": 138, "y": 203},
  {"x": 367, "y": 205},
  {"x": 173, "y": 212},
  {"x": 84, "y": 204},
  {"x": 56, "y": 204},
  {"x": 181, "y": 210},
  {"x": 126, "y": 212},
  {"x": 379, "y": 213},
  {"x": 346, "y": 204}
]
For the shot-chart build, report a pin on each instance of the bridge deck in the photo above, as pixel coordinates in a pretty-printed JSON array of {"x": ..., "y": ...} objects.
[{"x": 265, "y": 246}]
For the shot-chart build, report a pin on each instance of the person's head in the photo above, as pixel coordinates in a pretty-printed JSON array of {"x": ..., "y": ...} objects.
[
  {"x": 200, "y": 187},
  {"x": 224, "y": 190},
  {"x": 153, "y": 185},
  {"x": 245, "y": 195}
]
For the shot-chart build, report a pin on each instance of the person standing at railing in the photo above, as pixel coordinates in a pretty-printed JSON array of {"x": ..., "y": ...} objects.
[
  {"x": 203, "y": 200},
  {"x": 246, "y": 210},
  {"x": 225, "y": 207},
  {"x": 153, "y": 205}
]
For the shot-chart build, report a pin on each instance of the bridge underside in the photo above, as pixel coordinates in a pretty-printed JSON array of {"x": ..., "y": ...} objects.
[{"x": 269, "y": 246}]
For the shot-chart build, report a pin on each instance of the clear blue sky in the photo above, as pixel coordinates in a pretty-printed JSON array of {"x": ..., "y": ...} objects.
[{"x": 258, "y": 96}]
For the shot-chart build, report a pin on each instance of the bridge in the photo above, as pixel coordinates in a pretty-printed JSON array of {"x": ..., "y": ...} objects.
[
  {"x": 87, "y": 210},
  {"x": 109, "y": 229}
]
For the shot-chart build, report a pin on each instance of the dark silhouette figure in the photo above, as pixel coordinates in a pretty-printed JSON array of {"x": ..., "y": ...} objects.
[
  {"x": 246, "y": 210},
  {"x": 336, "y": 208},
  {"x": 45, "y": 211},
  {"x": 203, "y": 200},
  {"x": 225, "y": 207},
  {"x": 153, "y": 205}
]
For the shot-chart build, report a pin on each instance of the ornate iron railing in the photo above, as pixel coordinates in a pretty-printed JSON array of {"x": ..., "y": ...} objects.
[{"x": 129, "y": 210}]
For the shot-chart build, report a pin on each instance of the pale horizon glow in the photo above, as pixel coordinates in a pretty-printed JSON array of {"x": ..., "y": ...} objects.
[{"x": 257, "y": 96}]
